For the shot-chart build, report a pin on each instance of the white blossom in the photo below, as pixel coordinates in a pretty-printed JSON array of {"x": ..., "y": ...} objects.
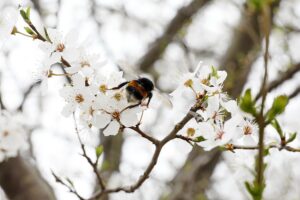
[
  {"x": 247, "y": 133},
  {"x": 61, "y": 46},
  {"x": 104, "y": 83},
  {"x": 87, "y": 63},
  {"x": 114, "y": 112},
  {"x": 77, "y": 95},
  {"x": 218, "y": 134},
  {"x": 8, "y": 19}
]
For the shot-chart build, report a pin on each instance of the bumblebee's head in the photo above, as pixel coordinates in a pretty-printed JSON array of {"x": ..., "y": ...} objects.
[{"x": 146, "y": 83}]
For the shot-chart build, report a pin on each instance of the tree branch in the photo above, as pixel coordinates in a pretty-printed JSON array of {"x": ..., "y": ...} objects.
[
  {"x": 289, "y": 74},
  {"x": 158, "y": 47},
  {"x": 21, "y": 181}
]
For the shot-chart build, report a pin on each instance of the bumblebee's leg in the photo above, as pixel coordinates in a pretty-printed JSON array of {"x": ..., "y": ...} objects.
[
  {"x": 149, "y": 98},
  {"x": 119, "y": 86},
  {"x": 131, "y": 106}
]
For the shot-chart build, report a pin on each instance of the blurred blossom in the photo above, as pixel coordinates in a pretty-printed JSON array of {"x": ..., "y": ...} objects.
[
  {"x": 8, "y": 19},
  {"x": 13, "y": 136}
]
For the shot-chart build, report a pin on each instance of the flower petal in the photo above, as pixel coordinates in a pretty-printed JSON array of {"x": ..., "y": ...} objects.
[
  {"x": 68, "y": 109},
  {"x": 101, "y": 120},
  {"x": 129, "y": 117},
  {"x": 112, "y": 129}
]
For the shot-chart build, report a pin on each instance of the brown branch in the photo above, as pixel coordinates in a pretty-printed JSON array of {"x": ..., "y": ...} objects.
[
  {"x": 70, "y": 188},
  {"x": 232, "y": 147},
  {"x": 27, "y": 93},
  {"x": 187, "y": 139},
  {"x": 92, "y": 164},
  {"x": 158, "y": 147},
  {"x": 295, "y": 93},
  {"x": 289, "y": 74},
  {"x": 158, "y": 47},
  {"x": 144, "y": 135},
  {"x": 266, "y": 28}
]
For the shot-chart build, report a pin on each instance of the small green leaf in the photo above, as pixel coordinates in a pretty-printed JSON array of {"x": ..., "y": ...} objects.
[
  {"x": 276, "y": 125},
  {"x": 99, "y": 151},
  {"x": 249, "y": 188},
  {"x": 292, "y": 138},
  {"x": 246, "y": 103},
  {"x": 29, "y": 31},
  {"x": 199, "y": 139},
  {"x": 24, "y": 15},
  {"x": 254, "y": 190},
  {"x": 28, "y": 12},
  {"x": 266, "y": 151},
  {"x": 278, "y": 107}
]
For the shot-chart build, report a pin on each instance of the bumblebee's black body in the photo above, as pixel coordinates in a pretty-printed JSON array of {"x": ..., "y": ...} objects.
[{"x": 139, "y": 89}]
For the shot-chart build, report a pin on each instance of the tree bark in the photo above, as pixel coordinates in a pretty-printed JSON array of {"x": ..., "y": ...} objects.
[{"x": 20, "y": 180}]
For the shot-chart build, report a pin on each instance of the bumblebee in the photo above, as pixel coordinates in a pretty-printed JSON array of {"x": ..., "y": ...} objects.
[{"x": 138, "y": 90}]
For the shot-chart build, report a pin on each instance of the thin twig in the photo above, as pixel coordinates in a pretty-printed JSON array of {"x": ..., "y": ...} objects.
[
  {"x": 70, "y": 188},
  {"x": 289, "y": 74},
  {"x": 93, "y": 164},
  {"x": 232, "y": 147},
  {"x": 144, "y": 135},
  {"x": 27, "y": 93},
  {"x": 295, "y": 93},
  {"x": 260, "y": 117}
]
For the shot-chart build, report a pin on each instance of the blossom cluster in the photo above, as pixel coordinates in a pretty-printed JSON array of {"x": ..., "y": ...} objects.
[
  {"x": 219, "y": 121},
  {"x": 13, "y": 137},
  {"x": 89, "y": 92}
]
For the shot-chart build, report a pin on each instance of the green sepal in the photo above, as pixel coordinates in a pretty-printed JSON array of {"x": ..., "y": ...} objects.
[
  {"x": 292, "y": 137},
  {"x": 246, "y": 103},
  {"x": 29, "y": 31},
  {"x": 278, "y": 107},
  {"x": 277, "y": 127}
]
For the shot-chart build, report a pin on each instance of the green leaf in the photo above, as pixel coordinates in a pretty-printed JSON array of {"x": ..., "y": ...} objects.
[
  {"x": 24, "y": 15},
  {"x": 276, "y": 125},
  {"x": 29, "y": 31},
  {"x": 292, "y": 138},
  {"x": 278, "y": 107},
  {"x": 99, "y": 151},
  {"x": 28, "y": 12},
  {"x": 266, "y": 151},
  {"x": 254, "y": 190},
  {"x": 199, "y": 139},
  {"x": 249, "y": 188},
  {"x": 246, "y": 103}
]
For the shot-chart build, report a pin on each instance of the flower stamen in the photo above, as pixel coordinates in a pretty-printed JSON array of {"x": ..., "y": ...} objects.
[{"x": 79, "y": 98}]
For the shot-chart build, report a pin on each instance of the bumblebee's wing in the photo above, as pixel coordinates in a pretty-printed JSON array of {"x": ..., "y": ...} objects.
[
  {"x": 130, "y": 72},
  {"x": 196, "y": 116},
  {"x": 163, "y": 97}
]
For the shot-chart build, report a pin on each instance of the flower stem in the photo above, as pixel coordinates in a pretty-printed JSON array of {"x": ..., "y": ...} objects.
[{"x": 260, "y": 117}]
